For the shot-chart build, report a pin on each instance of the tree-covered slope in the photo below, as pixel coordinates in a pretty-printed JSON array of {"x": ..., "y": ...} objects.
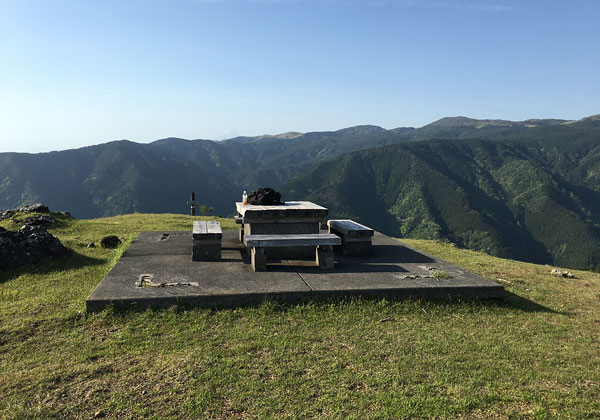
[
  {"x": 536, "y": 200},
  {"x": 525, "y": 189},
  {"x": 123, "y": 177},
  {"x": 251, "y": 162},
  {"x": 113, "y": 178}
]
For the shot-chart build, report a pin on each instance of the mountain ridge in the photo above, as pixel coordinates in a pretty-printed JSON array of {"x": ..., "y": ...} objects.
[
  {"x": 487, "y": 187},
  {"x": 458, "y": 121},
  {"x": 535, "y": 201}
]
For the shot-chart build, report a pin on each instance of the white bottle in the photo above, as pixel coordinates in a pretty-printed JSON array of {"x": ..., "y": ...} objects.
[{"x": 244, "y": 198}]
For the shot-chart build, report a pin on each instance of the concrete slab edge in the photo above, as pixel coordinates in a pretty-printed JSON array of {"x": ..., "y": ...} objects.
[{"x": 246, "y": 299}]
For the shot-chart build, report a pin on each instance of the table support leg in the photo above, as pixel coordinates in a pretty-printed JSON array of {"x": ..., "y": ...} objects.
[
  {"x": 325, "y": 257},
  {"x": 259, "y": 259},
  {"x": 241, "y": 234}
]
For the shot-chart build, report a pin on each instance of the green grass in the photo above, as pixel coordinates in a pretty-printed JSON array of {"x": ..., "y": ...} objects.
[
  {"x": 534, "y": 354},
  {"x": 439, "y": 274}
]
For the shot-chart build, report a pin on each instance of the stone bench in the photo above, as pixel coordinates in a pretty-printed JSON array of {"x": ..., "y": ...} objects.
[
  {"x": 356, "y": 238},
  {"x": 240, "y": 221},
  {"x": 206, "y": 240},
  {"x": 323, "y": 242}
]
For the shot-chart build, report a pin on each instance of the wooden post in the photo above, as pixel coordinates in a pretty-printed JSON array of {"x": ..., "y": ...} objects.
[{"x": 193, "y": 204}]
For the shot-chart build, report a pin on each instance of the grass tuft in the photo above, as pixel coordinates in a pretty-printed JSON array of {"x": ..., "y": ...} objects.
[{"x": 440, "y": 275}]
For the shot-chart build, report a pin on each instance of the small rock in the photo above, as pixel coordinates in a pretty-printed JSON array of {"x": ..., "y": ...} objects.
[
  {"x": 91, "y": 245},
  {"x": 559, "y": 273},
  {"x": 110, "y": 242},
  {"x": 99, "y": 414}
]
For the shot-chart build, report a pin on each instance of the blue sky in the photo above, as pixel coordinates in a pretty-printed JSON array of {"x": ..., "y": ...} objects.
[{"x": 75, "y": 73}]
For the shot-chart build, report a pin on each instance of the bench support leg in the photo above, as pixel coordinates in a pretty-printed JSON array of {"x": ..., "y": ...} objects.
[
  {"x": 357, "y": 248},
  {"x": 241, "y": 234},
  {"x": 259, "y": 259},
  {"x": 325, "y": 257},
  {"x": 206, "y": 250}
]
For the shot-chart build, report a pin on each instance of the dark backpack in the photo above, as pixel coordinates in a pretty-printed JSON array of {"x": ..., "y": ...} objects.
[{"x": 265, "y": 197}]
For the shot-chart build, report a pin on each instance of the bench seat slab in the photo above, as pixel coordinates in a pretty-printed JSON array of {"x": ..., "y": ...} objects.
[
  {"x": 268, "y": 241},
  {"x": 350, "y": 229},
  {"x": 322, "y": 244},
  {"x": 356, "y": 238},
  {"x": 207, "y": 230}
]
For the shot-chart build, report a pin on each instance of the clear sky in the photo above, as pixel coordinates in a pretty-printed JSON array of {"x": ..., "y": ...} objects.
[{"x": 75, "y": 73}]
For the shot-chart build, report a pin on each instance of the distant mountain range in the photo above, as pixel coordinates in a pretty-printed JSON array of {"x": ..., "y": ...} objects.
[{"x": 527, "y": 190}]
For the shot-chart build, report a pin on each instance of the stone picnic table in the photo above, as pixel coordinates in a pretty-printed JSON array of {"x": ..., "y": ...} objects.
[{"x": 291, "y": 218}]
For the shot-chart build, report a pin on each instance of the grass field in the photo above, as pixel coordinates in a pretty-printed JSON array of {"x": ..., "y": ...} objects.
[{"x": 535, "y": 354}]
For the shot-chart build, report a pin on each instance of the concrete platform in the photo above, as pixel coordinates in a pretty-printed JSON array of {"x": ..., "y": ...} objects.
[{"x": 157, "y": 271}]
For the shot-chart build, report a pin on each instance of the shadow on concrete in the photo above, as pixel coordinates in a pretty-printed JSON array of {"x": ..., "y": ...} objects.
[
  {"x": 387, "y": 254},
  {"x": 307, "y": 267},
  {"x": 234, "y": 254},
  {"x": 236, "y": 260},
  {"x": 71, "y": 262},
  {"x": 356, "y": 267}
]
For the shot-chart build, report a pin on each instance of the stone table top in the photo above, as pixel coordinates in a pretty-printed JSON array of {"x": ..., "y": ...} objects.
[{"x": 289, "y": 210}]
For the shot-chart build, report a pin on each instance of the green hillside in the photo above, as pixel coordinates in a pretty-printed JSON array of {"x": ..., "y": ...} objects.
[
  {"x": 122, "y": 177},
  {"x": 113, "y": 178},
  {"x": 534, "y": 200},
  {"x": 526, "y": 190},
  {"x": 531, "y": 355}
]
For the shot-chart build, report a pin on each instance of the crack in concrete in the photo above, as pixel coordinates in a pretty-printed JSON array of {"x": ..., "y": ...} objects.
[
  {"x": 301, "y": 278},
  {"x": 305, "y": 282}
]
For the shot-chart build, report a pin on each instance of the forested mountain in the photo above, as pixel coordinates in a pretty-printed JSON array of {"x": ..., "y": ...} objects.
[
  {"x": 527, "y": 190},
  {"x": 108, "y": 179},
  {"x": 533, "y": 196},
  {"x": 122, "y": 176}
]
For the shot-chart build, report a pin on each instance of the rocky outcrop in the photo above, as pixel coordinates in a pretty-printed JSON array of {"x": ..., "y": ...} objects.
[
  {"x": 37, "y": 220},
  {"x": 28, "y": 245},
  {"x": 34, "y": 208}
]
